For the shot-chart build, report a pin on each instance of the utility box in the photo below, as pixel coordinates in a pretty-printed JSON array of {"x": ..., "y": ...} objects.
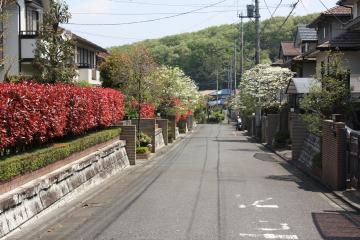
[{"x": 250, "y": 10}]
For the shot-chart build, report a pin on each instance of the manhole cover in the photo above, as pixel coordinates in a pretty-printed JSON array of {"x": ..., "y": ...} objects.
[{"x": 266, "y": 157}]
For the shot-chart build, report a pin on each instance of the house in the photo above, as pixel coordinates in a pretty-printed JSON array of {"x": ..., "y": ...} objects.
[
  {"x": 305, "y": 40},
  {"x": 337, "y": 32},
  {"x": 287, "y": 52},
  {"x": 20, "y": 31}
]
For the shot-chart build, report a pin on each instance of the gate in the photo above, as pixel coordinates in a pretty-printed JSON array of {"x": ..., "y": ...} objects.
[{"x": 353, "y": 159}]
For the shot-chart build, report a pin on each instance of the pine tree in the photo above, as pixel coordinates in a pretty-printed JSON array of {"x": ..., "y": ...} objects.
[{"x": 55, "y": 48}]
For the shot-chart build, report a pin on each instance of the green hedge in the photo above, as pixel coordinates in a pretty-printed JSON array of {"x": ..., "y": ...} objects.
[
  {"x": 28, "y": 162},
  {"x": 142, "y": 150}
]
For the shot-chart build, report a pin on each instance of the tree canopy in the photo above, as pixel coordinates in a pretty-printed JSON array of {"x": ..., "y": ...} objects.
[{"x": 201, "y": 53}]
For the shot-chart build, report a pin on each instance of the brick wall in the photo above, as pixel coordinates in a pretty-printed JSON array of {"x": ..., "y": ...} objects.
[
  {"x": 147, "y": 126},
  {"x": 333, "y": 154},
  {"x": 164, "y": 125},
  {"x": 298, "y": 134},
  {"x": 128, "y": 133}
]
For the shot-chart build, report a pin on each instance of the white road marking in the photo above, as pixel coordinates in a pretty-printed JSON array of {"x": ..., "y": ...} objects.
[
  {"x": 269, "y": 236},
  {"x": 242, "y": 206},
  {"x": 237, "y": 195},
  {"x": 284, "y": 227},
  {"x": 257, "y": 204},
  {"x": 262, "y": 221}
]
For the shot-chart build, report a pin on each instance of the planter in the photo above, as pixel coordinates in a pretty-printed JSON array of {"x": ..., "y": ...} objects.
[{"x": 143, "y": 156}]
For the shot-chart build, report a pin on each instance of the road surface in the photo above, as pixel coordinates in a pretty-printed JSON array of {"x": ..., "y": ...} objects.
[{"x": 213, "y": 184}]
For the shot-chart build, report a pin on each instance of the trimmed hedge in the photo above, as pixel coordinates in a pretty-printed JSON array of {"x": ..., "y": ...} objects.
[
  {"x": 32, "y": 114},
  {"x": 142, "y": 150},
  {"x": 28, "y": 162}
]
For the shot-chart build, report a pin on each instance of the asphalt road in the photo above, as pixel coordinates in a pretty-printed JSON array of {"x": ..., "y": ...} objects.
[{"x": 214, "y": 184}]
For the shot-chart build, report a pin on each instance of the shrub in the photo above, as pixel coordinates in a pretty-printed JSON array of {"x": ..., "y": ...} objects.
[
  {"x": 216, "y": 117},
  {"x": 144, "y": 140},
  {"x": 27, "y": 162},
  {"x": 33, "y": 114},
  {"x": 142, "y": 150},
  {"x": 317, "y": 161}
]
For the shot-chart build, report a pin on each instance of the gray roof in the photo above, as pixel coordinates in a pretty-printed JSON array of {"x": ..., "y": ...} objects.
[
  {"x": 301, "y": 85},
  {"x": 307, "y": 34}
]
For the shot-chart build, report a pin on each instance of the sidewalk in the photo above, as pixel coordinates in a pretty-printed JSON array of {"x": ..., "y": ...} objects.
[{"x": 349, "y": 196}]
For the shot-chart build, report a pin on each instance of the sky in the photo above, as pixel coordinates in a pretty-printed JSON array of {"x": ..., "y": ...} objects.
[{"x": 207, "y": 13}]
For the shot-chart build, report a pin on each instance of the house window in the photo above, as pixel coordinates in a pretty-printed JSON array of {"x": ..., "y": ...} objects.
[
  {"x": 85, "y": 58},
  {"x": 32, "y": 20}
]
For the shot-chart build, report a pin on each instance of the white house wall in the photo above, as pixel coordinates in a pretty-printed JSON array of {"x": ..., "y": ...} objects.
[{"x": 11, "y": 43}]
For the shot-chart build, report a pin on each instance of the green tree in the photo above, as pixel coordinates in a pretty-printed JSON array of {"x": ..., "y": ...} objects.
[
  {"x": 54, "y": 53},
  {"x": 331, "y": 96}
]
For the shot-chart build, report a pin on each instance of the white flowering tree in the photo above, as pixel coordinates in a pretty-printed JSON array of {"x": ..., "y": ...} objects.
[
  {"x": 262, "y": 87},
  {"x": 171, "y": 84}
]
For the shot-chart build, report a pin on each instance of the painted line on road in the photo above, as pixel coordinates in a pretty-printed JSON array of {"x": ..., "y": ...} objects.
[
  {"x": 284, "y": 227},
  {"x": 242, "y": 206},
  {"x": 269, "y": 236},
  {"x": 257, "y": 204}
]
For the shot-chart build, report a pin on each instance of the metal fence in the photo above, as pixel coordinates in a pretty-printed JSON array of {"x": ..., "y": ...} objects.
[{"x": 353, "y": 158}]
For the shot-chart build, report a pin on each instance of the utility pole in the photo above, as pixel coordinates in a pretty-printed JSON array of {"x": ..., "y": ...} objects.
[
  {"x": 242, "y": 46},
  {"x": 257, "y": 38},
  {"x": 235, "y": 67}
]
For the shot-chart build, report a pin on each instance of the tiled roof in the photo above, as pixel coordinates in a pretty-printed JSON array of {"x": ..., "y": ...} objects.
[
  {"x": 338, "y": 11},
  {"x": 348, "y": 40},
  {"x": 307, "y": 34},
  {"x": 289, "y": 49}
]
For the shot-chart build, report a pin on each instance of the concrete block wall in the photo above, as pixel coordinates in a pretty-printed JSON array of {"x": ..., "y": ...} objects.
[
  {"x": 159, "y": 139},
  {"x": 27, "y": 201},
  {"x": 298, "y": 135},
  {"x": 147, "y": 126},
  {"x": 333, "y": 155},
  {"x": 164, "y": 125},
  {"x": 128, "y": 133}
]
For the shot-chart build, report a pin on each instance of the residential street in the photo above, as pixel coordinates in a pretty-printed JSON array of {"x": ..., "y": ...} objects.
[{"x": 214, "y": 184}]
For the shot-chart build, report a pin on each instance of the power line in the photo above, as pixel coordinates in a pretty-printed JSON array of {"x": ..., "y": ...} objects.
[
  {"x": 267, "y": 7},
  {"x": 165, "y": 4},
  {"x": 149, "y": 20},
  {"x": 142, "y": 14},
  {"x": 290, "y": 13}
]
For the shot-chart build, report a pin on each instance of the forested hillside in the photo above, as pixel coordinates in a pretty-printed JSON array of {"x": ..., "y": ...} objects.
[{"x": 201, "y": 53}]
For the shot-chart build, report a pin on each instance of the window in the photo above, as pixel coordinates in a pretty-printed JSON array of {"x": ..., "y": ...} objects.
[
  {"x": 85, "y": 58},
  {"x": 32, "y": 20}
]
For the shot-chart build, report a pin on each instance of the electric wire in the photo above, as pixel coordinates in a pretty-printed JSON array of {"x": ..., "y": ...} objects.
[{"x": 148, "y": 20}]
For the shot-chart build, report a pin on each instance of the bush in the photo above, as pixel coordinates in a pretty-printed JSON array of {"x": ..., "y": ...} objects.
[
  {"x": 27, "y": 162},
  {"x": 33, "y": 114},
  {"x": 142, "y": 150},
  {"x": 144, "y": 140},
  {"x": 216, "y": 117}
]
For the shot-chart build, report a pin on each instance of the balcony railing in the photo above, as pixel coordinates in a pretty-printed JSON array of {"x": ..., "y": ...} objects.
[{"x": 29, "y": 34}]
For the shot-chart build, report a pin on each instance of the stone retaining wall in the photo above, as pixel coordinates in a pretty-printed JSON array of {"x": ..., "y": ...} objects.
[
  {"x": 23, "y": 203},
  {"x": 159, "y": 139}
]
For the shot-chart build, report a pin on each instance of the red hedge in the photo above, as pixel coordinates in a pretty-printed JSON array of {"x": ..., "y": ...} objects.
[
  {"x": 32, "y": 113},
  {"x": 147, "y": 110}
]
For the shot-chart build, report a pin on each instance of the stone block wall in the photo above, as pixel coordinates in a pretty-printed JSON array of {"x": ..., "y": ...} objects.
[
  {"x": 27, "y": 201},
  {"x": 164, "y": 125},
  {"x": 147, "y": 126},
  {"x": 128, "y": 133},
  {"x": 159, "y": 139},
  {"x": 298, "y": 135},
  {"x": 334, "y": 155}
]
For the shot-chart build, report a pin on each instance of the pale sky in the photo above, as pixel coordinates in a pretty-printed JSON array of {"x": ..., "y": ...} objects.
[{"x": 124, "y": 11}]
